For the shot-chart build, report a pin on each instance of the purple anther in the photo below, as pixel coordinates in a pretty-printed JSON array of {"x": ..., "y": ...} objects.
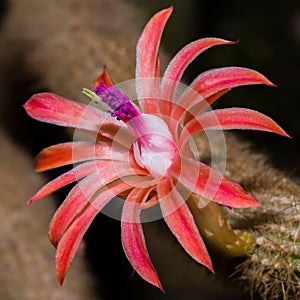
[
  {"x": 99, "y": 89},
  {"x": 118, "y": 102},
  {"x": 126, "y": 112}
]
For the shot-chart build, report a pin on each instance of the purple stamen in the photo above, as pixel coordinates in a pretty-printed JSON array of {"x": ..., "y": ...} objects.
[
  {"x": 118, "y": 102},
  {"x": 126, "y": 112}
]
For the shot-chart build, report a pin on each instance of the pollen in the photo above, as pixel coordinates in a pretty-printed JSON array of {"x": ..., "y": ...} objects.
[
  {"x": 126, "y": 112},
  {"x": 119, "y": 104}
]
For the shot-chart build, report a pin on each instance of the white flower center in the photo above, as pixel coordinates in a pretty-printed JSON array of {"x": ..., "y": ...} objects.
[{"x": 154, "y": 147}]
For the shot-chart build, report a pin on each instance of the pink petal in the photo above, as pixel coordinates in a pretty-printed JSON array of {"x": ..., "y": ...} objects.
[
  {"x": 71, "y": 239},
  {"x": 77, "y": 199},
  {"x": 212, "y": 84},
  {"x": 147, "y": 63},
  {"x": 75, "y": 174},
  {"x": 181, "y": 222},
  {"x": 105, "y": 77},
  {"x": 213, "y": 81},
  {"x": 133, "y": 239},
  {"x": 74, "y": 152},
  {"x": 83, "y": 192},
  {"x": 231, "y": 118},
  {"x": 210, "y": 184},
  {"x": 51, "y": 108},
  {"x": 178, "y": 65}
]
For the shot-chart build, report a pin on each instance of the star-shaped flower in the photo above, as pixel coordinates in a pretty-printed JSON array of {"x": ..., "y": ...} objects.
[{"x": 140, "y": 150}]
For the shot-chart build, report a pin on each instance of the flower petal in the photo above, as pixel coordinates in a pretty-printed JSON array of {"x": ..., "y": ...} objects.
[
  {"x": 212, "y": 84},
  {"x": 51, "y": 108},
  {"x": 74, "y": 152},
  {"x": 76, "y": 173},
  {"x": 178, "y": 65},
  {"x": 83, "y": 192},
  {"x": 71, "y": 239},
  {"x": 105, "y": 77},
  {"x": 72, "y": 206},
  {"x": 133, "y": 239},
  {"x": 231, "y": 118},
  {"x": 181, "y": 222},
  {"x": 210, "y": 184},
  {"x": 213, "y": 81},
  {"x": 147, "y": 58}
]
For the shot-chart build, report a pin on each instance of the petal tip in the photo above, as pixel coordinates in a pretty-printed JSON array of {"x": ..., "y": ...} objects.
[
  {"x": 283, "y": 133},
  {"x": 278, "y": 130},
  {"x": 211, "y": 268},
  {"x": 227, "y": 42},
  {"x": 270, "y": 83},
  {"x": 157, "y": 284},
  {"x": 250, "y": 202},
  {"x": 60, "y": 280},
  {"x": 168, "y": 10},
  {"x": 30, "y": 201},
  {"x": 161, "y": 287},
  {"x": 61, "y": 271},
  {"x": 208, "y": 264},
  {"x": 34, "y": 198},
  {"x": 233, "y": 42},
  {"x": 256, "y": 204},
  {"x": 246, "y": 201}
]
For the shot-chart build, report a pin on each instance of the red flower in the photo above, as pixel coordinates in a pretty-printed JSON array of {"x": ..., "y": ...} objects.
[{"x": 143, "y": 154}]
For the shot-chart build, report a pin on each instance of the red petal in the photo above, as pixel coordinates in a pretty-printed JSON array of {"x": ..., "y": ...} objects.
[
  {"x": 212, "y": 84},
  {"x": 231, "y": 118},
  {"x": 76, "y": 173},
  {"x": 181, "y": 222},
  {"x": 146, "y": 57},
  {"x": 210, "y": 184},
  {"x": 83, "y": 192},
  {"x": 72, "y": 206},
  {"x": 133, "y": 239},
  {"x": 51, "y": 108},
  {"x": 74, "y": 152},
  {"x": 71, "y": 239},
  {"x": 178, "y": 65},
  {"x": 105, "y": 77},
  {"x": 213, "y": 81},
  {"x": 148, "y": 44}
]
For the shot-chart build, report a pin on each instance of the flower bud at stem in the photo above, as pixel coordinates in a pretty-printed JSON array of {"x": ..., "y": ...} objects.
[{"x": 216, "y": 231}]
